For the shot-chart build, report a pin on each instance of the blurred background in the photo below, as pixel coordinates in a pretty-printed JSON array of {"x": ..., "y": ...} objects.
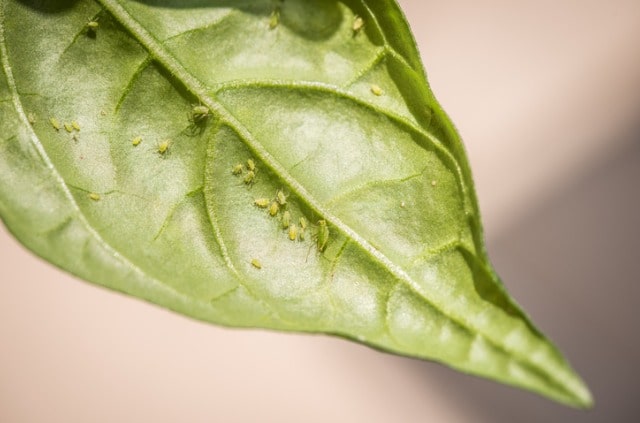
[{"x": 546, "y": 95}]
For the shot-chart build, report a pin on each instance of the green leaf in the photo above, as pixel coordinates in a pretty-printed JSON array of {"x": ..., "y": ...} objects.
[{"x": 329, "y": 101}]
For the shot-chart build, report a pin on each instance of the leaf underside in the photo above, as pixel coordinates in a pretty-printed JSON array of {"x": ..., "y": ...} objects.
[{"x": 338, "y": 118}]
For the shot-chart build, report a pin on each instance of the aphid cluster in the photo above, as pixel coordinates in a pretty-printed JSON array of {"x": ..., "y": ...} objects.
[
  {"x": 70, "y": 127},
  {"x": 249, "y": 172}
]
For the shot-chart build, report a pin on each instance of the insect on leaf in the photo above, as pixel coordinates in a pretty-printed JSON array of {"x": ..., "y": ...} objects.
[{"x": 331, "y": 107}]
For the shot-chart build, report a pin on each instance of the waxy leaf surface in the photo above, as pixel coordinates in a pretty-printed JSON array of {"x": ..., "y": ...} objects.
[{"x": 125, "y": 137}]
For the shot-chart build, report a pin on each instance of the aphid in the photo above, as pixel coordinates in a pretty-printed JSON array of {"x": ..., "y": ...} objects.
[
  {"x": 54, "y": 122},
  {"x": 136, "y": 141},
  {"x": 293, "y": 232},
  {"x": 281, "y": 198},
  {"x": 200, "y": 113},
  {"x": 358, "y": 24},
  {"x": 263, "y": 203},
  {"x": 31, "y": 118},
  {"x": 273, "y": 208},
  {"x": 434, "y": 183},
  {"x": 94, "y": 196},
  {"x": 250, "y": 177},
  {"x": 323, "y": 235},
  {"x": 92, "y": 28},
  {"x": 237, "y": 169},
  {"x": 274, "y": 19},
  {"x": 75, "y": 125},
  {"x": 402, "y": 204},
  {"x": 251, "y": 165},
  {"x": 286, "y": 219},
  {"x": 376, "y": 90},
  {"x": 68, "y": 127},
  {"x": 163, "y": 147},
  {"x": 255, "y": 263},
  {"x": 303, "y": 226}
]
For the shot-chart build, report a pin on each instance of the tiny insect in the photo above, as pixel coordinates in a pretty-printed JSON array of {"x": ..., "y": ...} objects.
[
  {"x": 94, "y": 196},
  {"x": 434, "y": 183},
  {"x": 281, "y": 198},
  {"x": 68, "y": 127},
  {"x": 75, "y": 125},
  {"x": 31, "y": 118},
  {"x": 263, "y": 203},
  {"x": 303, "y": 226},
  {"x": 255, "y": 263},
  {"x": 376, "y": 90},
  {"x": 274, "y": 208},
  {"x": 358, "y": 24},
  {"x": 402, "y": 204},
  {"x": 286, "y": 219},
  {"x": 136, "y": 141},
  {"x": 92, "y": 28},
  {"x": 274, "y": 19},
  {"x": 163, "y": 147},
  {"x": 251, "y": 165},
  {"x": 200, "y": 113},
  {"x": 293, "y": 232},
  {"x": 54, "y": 122},
  {"x": 250, "y": 177},
  {"x": 237, "y": 169},
  {"x": 323, "y": 235}
]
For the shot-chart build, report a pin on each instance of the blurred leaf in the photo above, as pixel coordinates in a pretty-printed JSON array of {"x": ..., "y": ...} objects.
[{"x": 166, "y": 149}]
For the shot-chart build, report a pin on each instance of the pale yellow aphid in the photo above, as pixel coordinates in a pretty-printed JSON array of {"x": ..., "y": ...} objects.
[
  {"x": 263, "y": 203},
  {"x": 163, "y": 147},
  {"x": 31, "y": 118},
  {"x": 200, "y": 113},
  {"x": 303, "y": 227},
  {"x": 75, "y": 125},
  {"x": 54, "y": 122},
  {"x": 376, "y": 90},
  {"x": 286, "y": 219},
  {"x": 136, "y": 141},
  {"x": 251, "y": 165},
  {"x": 434, "y": 183},
  {"x": 93, "y": 25},
  {"x": 358, "y": 24},
  {"x": 255, "y": 263},
  {"x": 281, "y": 198},
  {"x": 94, "y": 196},
  {"x": 68, "y": 127},
  {"x": 237, "y": 169},
  {"x": 323, "y": 235},
  {"x": 293, "y": 232},
  {"x": 274, "y": 208}
]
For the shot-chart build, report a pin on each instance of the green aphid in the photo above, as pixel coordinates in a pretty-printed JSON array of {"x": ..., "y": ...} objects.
[
  {"x": 163, "y": 147},
  {"x": 251, "y": 165},
  {"x": 274, "y": 208},
  {"x": 281, "y": 198},
  {"x": 93, "y": 25},
  {"x": 136, "y": 141},
  {"x": 274, "y": 19},
  {"x": 255, "y": 263},
  {"x": 54, "y": 122},
  {"x": 286, "y": 219},
  {"x": 75, "y": 125},
  {"x": 293, "y": 232},
  {"x": 237, "y": 169},
  {"x": 323, "y": 235},
  {"x": 250, "y": 177},
  {"x": 68, "y": 127},
  {"x": 200, "y": 113},
  {"x": 94, "y": 196},
  {"x": 263, "y": 203}
]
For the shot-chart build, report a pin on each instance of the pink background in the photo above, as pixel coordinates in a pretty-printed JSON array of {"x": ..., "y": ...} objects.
[{"x": 546, "y": 95}]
